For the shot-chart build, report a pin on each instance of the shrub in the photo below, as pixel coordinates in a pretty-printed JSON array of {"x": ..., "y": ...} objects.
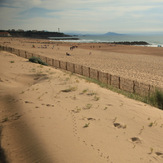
[
  {"x": 70, "y": 89},
  {"x": 37, "y": 60},
  {"x": 157, "y": 99},
  {"x": 86, "y": 125}
]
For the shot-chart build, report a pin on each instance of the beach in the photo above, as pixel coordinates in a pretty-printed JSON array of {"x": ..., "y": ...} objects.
[
  {"x": 49, "y": 115},
  {"x": 139, "y": 63}
]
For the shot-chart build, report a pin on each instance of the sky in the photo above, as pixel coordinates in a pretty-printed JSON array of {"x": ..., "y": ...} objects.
[{"x": 89, "y": 16}]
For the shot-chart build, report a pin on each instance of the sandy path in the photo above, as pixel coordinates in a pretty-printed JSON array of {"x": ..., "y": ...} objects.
[
  {"x": 143, "y": 64},
  {"x": 52, "y": 116}
]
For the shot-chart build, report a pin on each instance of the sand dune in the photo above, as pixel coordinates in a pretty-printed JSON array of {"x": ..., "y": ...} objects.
[{"x": 51, "y": 116}]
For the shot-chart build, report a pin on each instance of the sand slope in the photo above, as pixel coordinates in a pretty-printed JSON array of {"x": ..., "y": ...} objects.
[{"x": 53, "y": 116}]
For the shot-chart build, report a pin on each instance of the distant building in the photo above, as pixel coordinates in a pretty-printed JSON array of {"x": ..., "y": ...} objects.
[{"x": 4, "y": 34}]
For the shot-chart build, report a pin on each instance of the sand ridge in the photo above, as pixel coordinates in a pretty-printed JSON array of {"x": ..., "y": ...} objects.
[{"x": 50, "y": 115}]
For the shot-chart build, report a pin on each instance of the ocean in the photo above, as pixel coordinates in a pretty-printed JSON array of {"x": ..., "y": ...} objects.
[{"x": 153, "y": 40}]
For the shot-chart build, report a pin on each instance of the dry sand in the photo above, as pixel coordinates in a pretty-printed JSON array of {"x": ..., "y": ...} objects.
[
  {"x": 143, "y": 64},
  {"x": 52, "y": 116}
]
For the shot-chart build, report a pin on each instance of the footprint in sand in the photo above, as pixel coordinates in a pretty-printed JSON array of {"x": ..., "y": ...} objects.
[
  {"x": 48, "y": 105},
  {"x": 16, "y": 116},
  {"x": 28, "y": 102},
  {"x": 91, "y": 119},
  {"x": 92, "y": 146},
  {"x": 159, "y": 154},
  {"x": 121, "y": 104},
  {"x": 135, "y": 140},
  {"x": 118, "y": 125},
  {"x": 75, "y": 133}
]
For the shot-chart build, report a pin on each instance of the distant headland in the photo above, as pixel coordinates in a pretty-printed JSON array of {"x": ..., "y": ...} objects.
[
  {"x": 61, "y": 36},
  {"x": 31, "y": 34}
]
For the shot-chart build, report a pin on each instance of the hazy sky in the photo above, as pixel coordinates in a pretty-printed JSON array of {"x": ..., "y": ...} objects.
[{"x": 101, "y": 16}]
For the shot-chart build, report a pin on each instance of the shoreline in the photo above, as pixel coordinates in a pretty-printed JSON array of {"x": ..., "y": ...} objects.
[
  {"x": 73, "y": 39},
  {"x": 101, "y": 42},
  {"x": 151, "y": 39},
  {"x": 134, "y": 43}
]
